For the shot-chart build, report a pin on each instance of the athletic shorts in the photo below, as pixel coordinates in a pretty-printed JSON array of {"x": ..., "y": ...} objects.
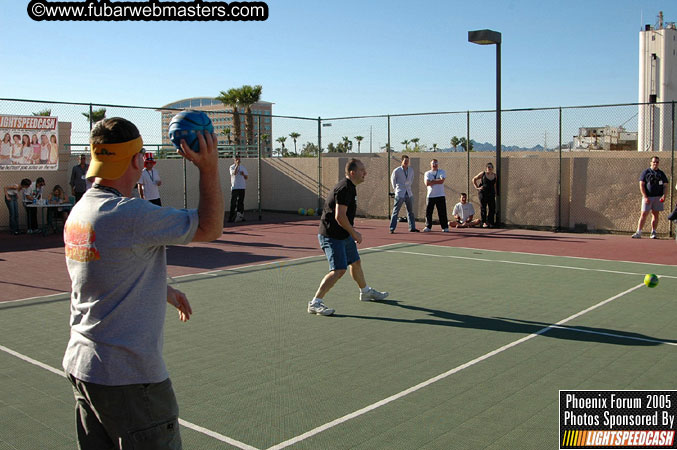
[
  {"x": 654, "y": 204},
  {"x": 340, "y": 252}
]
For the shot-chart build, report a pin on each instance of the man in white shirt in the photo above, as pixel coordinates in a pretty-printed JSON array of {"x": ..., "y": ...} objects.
[
  {"x": 463, "y": 214},
  {"x": 238, "y": 184},
  {"x": 401, "y": 179},
  {"x": 150, "y": 181},
  {"x": 434, "y": 180}
]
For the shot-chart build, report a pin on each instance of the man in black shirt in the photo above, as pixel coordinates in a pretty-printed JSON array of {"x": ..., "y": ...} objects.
[
  {"x": 652, "y": 183},
  {"x": 338, "y": 238}
]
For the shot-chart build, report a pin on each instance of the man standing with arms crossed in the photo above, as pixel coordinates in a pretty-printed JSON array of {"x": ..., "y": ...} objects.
[
  {"x": 434, "y": 180},
  {"x": 78, "y": 178},
  {"x": 401, "y": 180},
  {"x": 338, "y": 238},
  {"x": 115, "y": 253}
]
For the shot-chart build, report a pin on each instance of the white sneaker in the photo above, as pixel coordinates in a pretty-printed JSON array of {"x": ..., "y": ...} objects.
[
  {"x": 372, "y": 294},
  {"x": 426, "y": 230},
  {"x": 637, "y": 235},
  {"x": 320, "y": 309},
  {"x": 653, "y": 234},
  {"x": 239, "y": 217}
]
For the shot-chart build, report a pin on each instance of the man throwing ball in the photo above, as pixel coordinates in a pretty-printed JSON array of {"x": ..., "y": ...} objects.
[
  {"x": 116, "y": 258},
  {"x": 338, "y": 238}
]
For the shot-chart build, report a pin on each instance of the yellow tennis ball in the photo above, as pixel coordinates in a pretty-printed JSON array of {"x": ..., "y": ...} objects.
[
  {"x": 651, "y": 280},
  {"x": 310, "y": 212}
]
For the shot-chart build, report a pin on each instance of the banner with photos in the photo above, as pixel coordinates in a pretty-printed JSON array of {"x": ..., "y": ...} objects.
[{"x": 29, "y": 143}]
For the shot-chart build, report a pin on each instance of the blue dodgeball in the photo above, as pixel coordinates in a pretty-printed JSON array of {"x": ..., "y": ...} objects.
[{"x": 185, "y": 124}]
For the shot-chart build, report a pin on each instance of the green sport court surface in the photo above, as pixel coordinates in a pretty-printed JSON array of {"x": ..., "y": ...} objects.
[{"x": 469, "y": 351}]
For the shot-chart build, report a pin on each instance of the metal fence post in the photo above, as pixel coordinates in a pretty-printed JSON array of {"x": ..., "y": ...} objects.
[
  {"x": 388, "y": 151},
  {"x": 319, "y": 164},
  {"x": 559, "y": 179},
  {"x": 467, "y": 151},
  {"x": 258, "y": 175},
  {"x": 672, "y": 167}
]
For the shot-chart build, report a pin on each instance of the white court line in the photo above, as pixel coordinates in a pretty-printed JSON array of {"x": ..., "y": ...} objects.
[
  {"x": 33, "y": 298},
  {"x": 185, "y": 423},
  {"x": 551, "y": 256},
  {"x": 442, "y": 376},
  {"x": 520, "y": 263}
]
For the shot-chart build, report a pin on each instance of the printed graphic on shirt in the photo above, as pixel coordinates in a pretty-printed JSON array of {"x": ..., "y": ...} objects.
[{"x": 79, "y": 239}]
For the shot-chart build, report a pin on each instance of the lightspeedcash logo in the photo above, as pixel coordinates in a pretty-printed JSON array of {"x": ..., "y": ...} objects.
[{"x": 150, "y": 10}]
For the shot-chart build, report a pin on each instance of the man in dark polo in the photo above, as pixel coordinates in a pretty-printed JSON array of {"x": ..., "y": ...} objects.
[
  {"x": 79, "y": 178},
  {"x": 338, "y": 238}
]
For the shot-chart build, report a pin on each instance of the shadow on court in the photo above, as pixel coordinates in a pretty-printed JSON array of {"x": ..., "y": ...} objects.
[
  {"x": 525, "y": 327},
  {"x": 212, "y": 258}
]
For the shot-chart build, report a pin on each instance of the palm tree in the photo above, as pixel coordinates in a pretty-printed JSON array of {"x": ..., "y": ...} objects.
[
  {"x": 294, "y": 135},
  {"x": 406, "y": 145},
  {"x": 464, "y": 144},
  {"x": 97, "y": 115},
  {"x": 415, "y": 142},
  {"x": 231, "y": 99},
  {"x": 359, "y": 141},
  {"x": 281, "y": 140},
  {"x": 434, "y": 147},
  {"x": 454, "y": 142},
  {"x": 347, "y": 144},
  {"x": 44, "y": 112},
  {"x": 226, "y": 133},
  {"x": 248, "y": 96}
]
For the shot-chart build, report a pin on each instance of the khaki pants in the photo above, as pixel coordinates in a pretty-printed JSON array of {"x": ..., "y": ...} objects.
[{"x": 130, "y": 417}]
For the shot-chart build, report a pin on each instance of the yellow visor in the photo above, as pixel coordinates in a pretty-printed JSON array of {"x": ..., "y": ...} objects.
[{"x": 110, "y": 161}]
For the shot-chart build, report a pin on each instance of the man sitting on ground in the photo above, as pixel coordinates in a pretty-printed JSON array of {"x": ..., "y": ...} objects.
[{"x": 463, "y": 214}]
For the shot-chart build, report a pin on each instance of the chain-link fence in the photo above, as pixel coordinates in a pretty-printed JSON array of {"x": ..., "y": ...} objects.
[{"x": 568, "y": 168}]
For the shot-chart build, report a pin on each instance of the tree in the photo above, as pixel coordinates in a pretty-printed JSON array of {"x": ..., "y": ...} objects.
[
  {"x": 44, "y": 112},
  {"x": 281, "y": 140},
  {"x": 294, "y": 135},
  {"x": 406, "y": 145},
  {"x": 226, "y": 133},
  {"x": 309, "y": 150},
  {"x": 97, "y": 115},
  {"x": 359, "y": 141},
  {"x": 416, "y": 146},
  {"x": 464, "y": 145},
  {"x": 455, "y": 141},
  {"x": 434, "y": 147},
  {"x": 231, "y": 99},
  {"x": 248, "y": 95},
  {"x": 347, "y": 144}
]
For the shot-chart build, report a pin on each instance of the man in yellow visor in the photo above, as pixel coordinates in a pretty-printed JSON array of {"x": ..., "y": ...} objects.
[{"x": 115, "y": 252}]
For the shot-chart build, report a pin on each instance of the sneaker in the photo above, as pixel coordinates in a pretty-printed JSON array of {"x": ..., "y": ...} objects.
[
  {"x": 414, "y": 230},
  {"x": 653, "y": 234},
  {"x": 637, "y": 235},
  {"x": 392, "y": 231},
  {"x": 426, "y": 230},
  {"x": 320, "y": 309},
  {"x": 372, "y": 294},
  {"x": 446, "y": 230}
]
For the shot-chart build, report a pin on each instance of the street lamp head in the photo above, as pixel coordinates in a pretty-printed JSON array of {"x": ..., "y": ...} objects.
[{"x": 484, "y": 37}]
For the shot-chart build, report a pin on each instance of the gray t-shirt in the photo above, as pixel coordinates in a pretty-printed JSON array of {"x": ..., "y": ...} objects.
[{"x": 115, "y": 252}]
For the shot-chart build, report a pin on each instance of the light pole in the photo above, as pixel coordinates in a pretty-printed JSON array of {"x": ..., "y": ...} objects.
[{"x": 489, "y": 37}]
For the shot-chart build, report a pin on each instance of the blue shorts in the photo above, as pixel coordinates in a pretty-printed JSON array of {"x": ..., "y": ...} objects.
[{"x": 340, "y": 252}]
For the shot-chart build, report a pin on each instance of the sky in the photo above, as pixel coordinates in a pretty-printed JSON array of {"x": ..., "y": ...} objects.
[{"x": 341, "y": 58}]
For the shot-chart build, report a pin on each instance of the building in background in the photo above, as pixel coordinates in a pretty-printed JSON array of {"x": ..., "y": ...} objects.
[
  {"x": 657, "y": 83},
  {"x": 604, "y": 138},
  {"x": 222, "y": 118}
]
